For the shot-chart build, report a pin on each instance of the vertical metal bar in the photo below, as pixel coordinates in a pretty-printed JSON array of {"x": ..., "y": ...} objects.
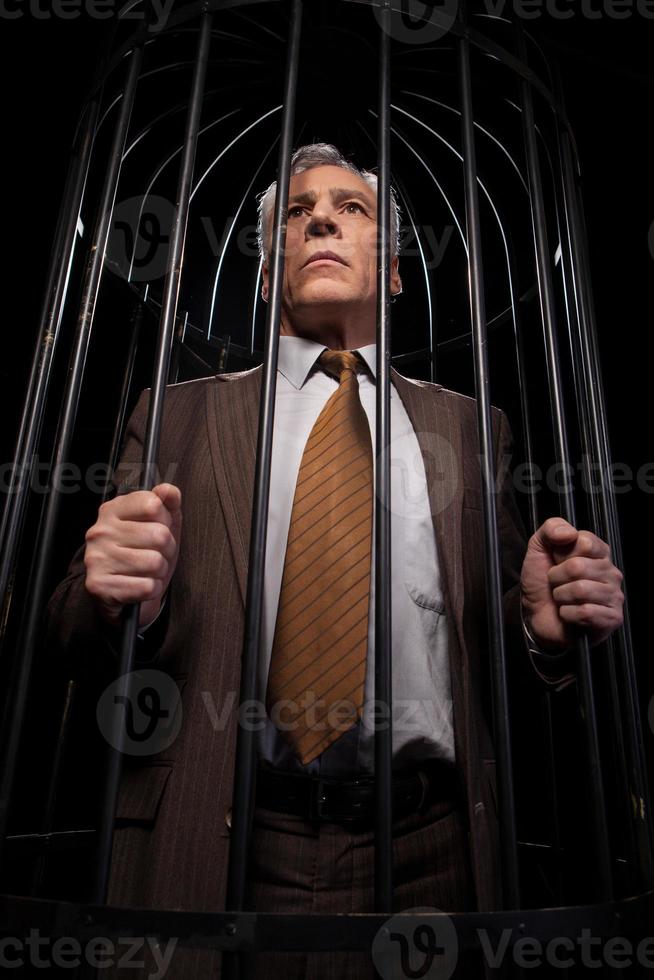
[
  {"x": 383, "y": 678},
  {"x": 508, "y": 838},
  {"x": 46, "y": 345},
  {"x": 577, "y": 246},
  {"x": 147, "y": 480},
  {"x": 136, "y": 323},
  {"x": 180, "y": 335},
  {"x": 546, "y": 293},
  {"x": 582, "y": 382},
  {"x": 61, "y": 746},
  {"x": 521, "y": 368},
  {"x": 72, "y": 686},
  {"x": 431, "y": 298},
  {"x": 245, "y": 762},
  {"x": 39, "y": 580}
]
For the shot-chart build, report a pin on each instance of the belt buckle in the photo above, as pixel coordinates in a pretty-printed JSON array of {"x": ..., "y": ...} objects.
[
  {"x": 317, "y": 800},
  {"x": 320, "y": 811}
]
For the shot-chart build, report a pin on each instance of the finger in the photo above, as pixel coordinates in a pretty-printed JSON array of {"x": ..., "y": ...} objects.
[
  {"x": 126, "y": 589},
  {"x": 170, "y": 496},
  {"x": 591, "y": 616},
  {"x": 140, "y": 505},
  {"x": 143, "y": 534},
  {"x": 137, "y": 563},
  {"x": 585, "y": 591},
  {"x": 572, "y": 569},
  {"x": 104, "y": 536},
  {"x": 554, "y": 531},
  {"x": 586, "y": 545}
]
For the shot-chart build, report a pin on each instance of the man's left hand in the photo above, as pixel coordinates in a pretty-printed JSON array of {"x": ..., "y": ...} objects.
[{"x": 569, "y": 583}]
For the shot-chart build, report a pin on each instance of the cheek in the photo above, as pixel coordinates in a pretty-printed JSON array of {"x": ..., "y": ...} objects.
[
  {"x": 293, "y": 244},
  {"x": 370, "y": 249}
]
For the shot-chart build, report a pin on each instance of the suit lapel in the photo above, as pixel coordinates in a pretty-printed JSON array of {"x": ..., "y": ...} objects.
[{"x": 232, "y": 404}]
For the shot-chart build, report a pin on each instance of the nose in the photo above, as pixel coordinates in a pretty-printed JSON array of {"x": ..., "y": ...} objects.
[{"x": 322, "y": 222}]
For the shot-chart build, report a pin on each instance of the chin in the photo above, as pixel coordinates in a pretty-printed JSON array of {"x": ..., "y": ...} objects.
[{"x": 324, "y": 294}]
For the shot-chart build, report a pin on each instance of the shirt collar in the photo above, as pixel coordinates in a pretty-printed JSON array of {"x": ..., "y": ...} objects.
[{"x": 297, "y": 355}]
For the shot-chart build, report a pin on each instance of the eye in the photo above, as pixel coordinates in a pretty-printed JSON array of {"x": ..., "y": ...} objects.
[
  {"x": 296, "y": 207},
  {"x": 354, "y": 204}
]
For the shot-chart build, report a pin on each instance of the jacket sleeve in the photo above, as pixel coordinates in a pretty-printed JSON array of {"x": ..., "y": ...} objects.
[
  {"x": 554, "y": 670},
  {"x": 74, "y": 630}
]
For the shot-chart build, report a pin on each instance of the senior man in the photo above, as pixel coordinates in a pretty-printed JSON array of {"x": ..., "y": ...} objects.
[{"x": 316, "y": 670}]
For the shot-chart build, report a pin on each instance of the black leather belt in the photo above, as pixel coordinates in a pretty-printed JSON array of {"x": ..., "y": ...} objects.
[{"x": 352, "y": 801}]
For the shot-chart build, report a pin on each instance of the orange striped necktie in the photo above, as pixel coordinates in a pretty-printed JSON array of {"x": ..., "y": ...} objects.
[{"x": 318, "y": 662}]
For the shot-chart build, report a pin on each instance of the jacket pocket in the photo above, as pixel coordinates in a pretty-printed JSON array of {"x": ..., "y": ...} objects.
[
  {"x": 421, "y": 579},
  {"x": 141, "y": 791}
]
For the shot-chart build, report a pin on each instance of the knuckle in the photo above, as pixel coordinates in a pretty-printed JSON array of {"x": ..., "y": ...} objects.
[
  {"x": 161, "y": 537},
  {"x": 160, "y": 566},
  {"x": 586, "y": 541},
  {"x": 585, "y": 613},
  {"x": 151, "y": 505},
  {"x": 146, "y": 589},
  {"x": 576, "y": 567},
  {"x": 92, "y": 533},
  {"x": 551, "y": 524}
]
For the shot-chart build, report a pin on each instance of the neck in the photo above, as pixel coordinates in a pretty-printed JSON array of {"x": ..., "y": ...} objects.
[{"x": 347, "y": 331}]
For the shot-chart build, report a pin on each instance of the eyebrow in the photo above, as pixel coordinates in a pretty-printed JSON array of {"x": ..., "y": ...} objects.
[{"x": 337, "y": 195}]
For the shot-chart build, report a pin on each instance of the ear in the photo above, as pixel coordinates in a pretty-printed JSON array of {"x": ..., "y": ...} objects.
[
  {"x": 264, "y": 285},
  {"x": 396, "y": 282}
]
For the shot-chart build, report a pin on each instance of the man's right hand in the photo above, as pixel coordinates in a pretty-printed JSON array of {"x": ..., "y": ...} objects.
[{"x": 131, "y": 551}]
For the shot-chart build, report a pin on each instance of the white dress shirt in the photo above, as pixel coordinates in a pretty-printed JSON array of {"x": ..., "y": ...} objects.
[{"x": 422, "y": 701}]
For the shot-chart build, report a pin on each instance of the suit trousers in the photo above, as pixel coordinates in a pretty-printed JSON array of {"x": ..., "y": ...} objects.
[{"x": 299, "y": 866}]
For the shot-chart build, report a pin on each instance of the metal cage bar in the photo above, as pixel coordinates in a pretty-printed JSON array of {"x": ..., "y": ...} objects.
[
  {"x": 576, "y": 246},
  {"x": 383, "y": 669},
  {"x": 546, "y": 292},
  {"x": 147, "y": 476},
  {"x": 245, "y": 768},
  {"x": 38, "y": 593},
  {"x": 510, "y": 876}
]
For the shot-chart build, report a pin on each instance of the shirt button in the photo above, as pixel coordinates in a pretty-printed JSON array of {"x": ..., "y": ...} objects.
[{"x": 228, "y": 818}]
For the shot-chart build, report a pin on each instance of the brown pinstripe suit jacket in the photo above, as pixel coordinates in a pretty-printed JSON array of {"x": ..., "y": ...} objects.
[{"x": 172, "y": 846}]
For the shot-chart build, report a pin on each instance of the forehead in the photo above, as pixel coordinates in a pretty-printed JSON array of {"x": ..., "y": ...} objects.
[{"x": 326, "y": 178}]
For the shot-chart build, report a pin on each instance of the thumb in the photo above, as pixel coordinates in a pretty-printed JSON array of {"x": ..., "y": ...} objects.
[
  {"x": 171, "y": 497},
  {"x": 555, "y": 533}
]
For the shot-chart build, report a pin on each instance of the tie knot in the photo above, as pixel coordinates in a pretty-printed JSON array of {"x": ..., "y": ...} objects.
[{"x": 337, "y": 361}]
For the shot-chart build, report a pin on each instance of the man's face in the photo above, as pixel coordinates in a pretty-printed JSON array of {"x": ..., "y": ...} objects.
[{"x": 330, "y": 210}]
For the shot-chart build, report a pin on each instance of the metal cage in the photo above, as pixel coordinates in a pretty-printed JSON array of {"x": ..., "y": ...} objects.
[{"x": 464, "y": 114}]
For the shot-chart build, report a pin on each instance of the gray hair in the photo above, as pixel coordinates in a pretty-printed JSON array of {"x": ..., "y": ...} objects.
[{"x": 317, "y": 155}]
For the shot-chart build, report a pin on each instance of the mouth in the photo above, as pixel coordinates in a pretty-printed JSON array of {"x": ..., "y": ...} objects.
[{"x": 325, "y": 257}]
